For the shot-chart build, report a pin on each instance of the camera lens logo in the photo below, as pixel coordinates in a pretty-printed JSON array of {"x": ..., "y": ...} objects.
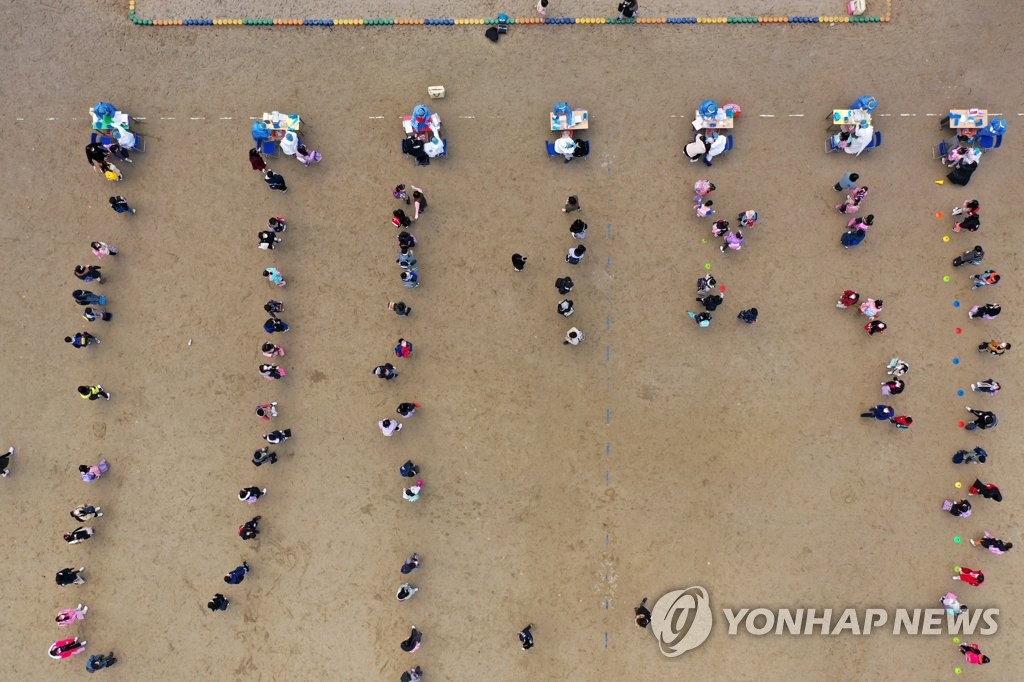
[{"x": 681, "y": 620}]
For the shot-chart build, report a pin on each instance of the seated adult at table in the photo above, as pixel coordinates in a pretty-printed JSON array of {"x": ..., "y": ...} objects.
[
  {"x": 697, "y": 148},
  {"x": 289, "y": 143},
  {"x": 124, "y": 137},
  {"x": 433, "y": 147},
  {"x": 582, "y": 149},
  {"x": 962, "y": 155},
  {"x": 565, "y": 146},
  {"x": 413, "y": 146},
  {"x": 860, "y": 138},
  {"x": 716, "y": 147}
]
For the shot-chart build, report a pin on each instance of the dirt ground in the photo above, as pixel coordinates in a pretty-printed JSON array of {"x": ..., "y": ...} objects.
[
  {"x": 562, "y": 484},
  {"x": 310, "y": 9}
]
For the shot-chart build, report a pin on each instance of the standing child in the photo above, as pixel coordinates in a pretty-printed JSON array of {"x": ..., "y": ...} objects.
[
  {"x": 542, "y": 9},
  {"x": 849, "y": 298},
  {"x": 748, "y": 219},
  {"x": 518, "y": 262},
  {"x": 701, "y": 189},
  {"x": 902, "y": 421},
  {"x": 893, "y": 387},
  {"x": 990, "y": 386},
  {"x": 733, "y": 242},
  {"x": 748, "y": 316},
  {"x": 256, "y": 160},
  {"x": 412, "y": 493},
  {"x": 853, "y": 201},
  {"x": 852, "y": 238},
  {"x": 275, "y": 181},
  {"x": 419, "y": 202},
  {"x": 986, "y": 279},
  {"x": 81, "y": 339},
  {"x": 90, "y": 473},
  {"x": 399, "y": 308},
  {"x": 110, "y": 171},
  {"x": 642, "y": 614},
  {"x": 389, "y": 427},
  {"x": 399, "y": 219},
  {"x": 525, "y": 636},
  {"x": 237, "y": 574},
  {"x": 703, "y": 210},
  {"x": 120, "y": 205},
  {"x": 406, "y": 409},
  {"x": 875, "y": 327},
  {"x": 101, "y": 249},
  {"x": 385, "y": 371},
  {"x": 93, "y": 392},
  {"x": 848, "y": 181},
  {"x": 250, "y": 529},
  {"x": 399, "y": 193},
  {"x": 274, "y": 276},
  {"x": 871, "y": 308},
  {"x": 702, "y": 319},
  {"x": 252, "y": 494},
  {"x": 403, "y": 349},
  {"x": 573, "y": 337},
  {"x": 272, "y": 350},
  {"x": 969, "y": 575},
  {"x": 972, "y": 257},
  {"x": 66, "y": 617},
  {"x": 572, "y": 204},
  {"x": 411, "y": 564},
  {"x": 578, "y": 229}
]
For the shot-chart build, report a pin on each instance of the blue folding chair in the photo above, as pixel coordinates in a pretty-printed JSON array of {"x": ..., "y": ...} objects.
[
  {"x": 986, "y": 142},
  {"x": 551, "y": 148},
  {"x": 268, "y": 148},
  {"x": 444, "y": 149},
  {"x": 876, "y": 141},
  {"x": 140, "y": 144},
  {"x": 728, "y": 143}
]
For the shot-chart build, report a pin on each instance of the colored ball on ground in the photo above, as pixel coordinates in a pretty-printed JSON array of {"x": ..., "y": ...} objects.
[
  {"x": 958, "y": 485},
  {"x": 945, "y": 238},
  {"x": 960, "y": 392},
  {"x": 945, "y": 278},
  {"x": 956, "y": 361},
  {"x": 958, "y": 330}
]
